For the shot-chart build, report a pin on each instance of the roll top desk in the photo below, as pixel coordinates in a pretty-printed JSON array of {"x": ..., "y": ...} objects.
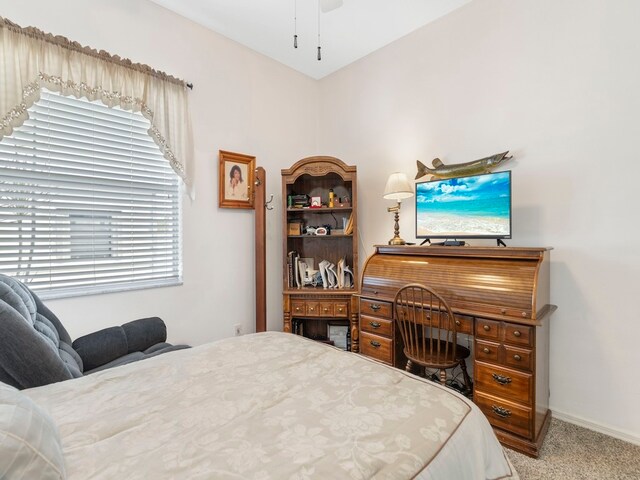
[{"x": 500, "y": 296}]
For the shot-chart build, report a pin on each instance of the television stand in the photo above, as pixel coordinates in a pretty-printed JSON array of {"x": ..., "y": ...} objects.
[{"x": 446, "y": 243}]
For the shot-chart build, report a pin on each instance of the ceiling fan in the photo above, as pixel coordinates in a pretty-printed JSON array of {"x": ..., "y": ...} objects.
[
  {"x": 328, "y": 5},
  {"x": 325, "y": 6}
]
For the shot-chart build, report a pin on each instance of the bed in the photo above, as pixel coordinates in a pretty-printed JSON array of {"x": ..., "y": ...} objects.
[{"x": 267, "y": 406}]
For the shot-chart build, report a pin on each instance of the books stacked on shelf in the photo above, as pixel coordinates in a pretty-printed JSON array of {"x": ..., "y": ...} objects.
[
  {"x": 348, "y": 229},
  {"x": 293, "y": 279}
]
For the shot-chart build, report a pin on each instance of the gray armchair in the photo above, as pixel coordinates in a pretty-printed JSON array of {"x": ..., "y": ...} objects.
[{"x": 35, "y": 348}]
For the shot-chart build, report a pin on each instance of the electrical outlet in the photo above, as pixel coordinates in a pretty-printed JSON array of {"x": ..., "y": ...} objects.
[{"x": 237, "y": 328}]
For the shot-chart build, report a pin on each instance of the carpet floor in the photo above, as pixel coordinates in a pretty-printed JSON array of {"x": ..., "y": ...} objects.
[{"x": 571, "y": 452}]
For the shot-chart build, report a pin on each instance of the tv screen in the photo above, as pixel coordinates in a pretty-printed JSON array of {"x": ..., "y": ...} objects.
[{"x": 466, "y": 207}]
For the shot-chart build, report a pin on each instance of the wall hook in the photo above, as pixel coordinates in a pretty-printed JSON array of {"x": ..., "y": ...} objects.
[{"x": 267, "y": 203}]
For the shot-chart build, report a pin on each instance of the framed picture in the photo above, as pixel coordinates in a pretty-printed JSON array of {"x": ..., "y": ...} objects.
[
  {"x": 338, "y": 335},
  {"x": 236, "y": 177}
]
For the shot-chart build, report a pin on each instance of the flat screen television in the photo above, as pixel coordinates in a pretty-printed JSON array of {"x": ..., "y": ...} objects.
[{"x": 478, "y": 206}]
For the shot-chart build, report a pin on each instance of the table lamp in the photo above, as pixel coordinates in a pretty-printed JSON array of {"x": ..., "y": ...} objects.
[{"x": 397, "y": 188}]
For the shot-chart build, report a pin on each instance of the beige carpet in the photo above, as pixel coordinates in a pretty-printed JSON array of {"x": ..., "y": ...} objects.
[{"x": 570, "y": 452}]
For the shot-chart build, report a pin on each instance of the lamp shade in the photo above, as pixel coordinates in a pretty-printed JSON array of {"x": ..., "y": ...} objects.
[{"x": 398, "y": 187}]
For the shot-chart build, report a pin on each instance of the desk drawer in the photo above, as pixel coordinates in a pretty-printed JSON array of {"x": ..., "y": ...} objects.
[
  {"x": 378, "y": 326},
  {"x": 487, "y": 351},
  {"x": 518, "y": 334},
  {"x": 373, "y": 307},
  {"x": 504, "y": 383},
  {"x": 506, "y": 415},
  {"x": 464, "y": 324},
  {"x": 376, "y": 347},
  {"x": 489, "y": 329},
  {"x": 521, "y": 358}
]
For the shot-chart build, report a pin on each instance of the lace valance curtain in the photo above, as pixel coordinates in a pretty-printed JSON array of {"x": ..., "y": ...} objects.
[{"x": 31, "y": 59}]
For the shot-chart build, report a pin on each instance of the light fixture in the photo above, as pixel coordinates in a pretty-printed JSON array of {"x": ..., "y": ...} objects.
[
  {"x": 397, "y": 188},
  {"x": 324, "y": 6}
]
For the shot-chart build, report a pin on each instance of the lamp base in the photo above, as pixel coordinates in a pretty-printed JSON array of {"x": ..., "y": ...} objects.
[{"x": 397, "y": 241}]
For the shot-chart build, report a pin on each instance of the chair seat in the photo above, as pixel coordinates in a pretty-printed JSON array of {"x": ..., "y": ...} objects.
[{"x": 433, "y": 360}]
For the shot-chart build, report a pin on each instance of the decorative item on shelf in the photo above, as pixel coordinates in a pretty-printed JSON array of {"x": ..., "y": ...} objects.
[
  {"x": 483, "y": 165},
  {"x": 397, "y": 188},
  {"x": 331, "y": 197},
  {"x": 300, "y": 201},
  {"x": 294, "y": 228},
  {"x": 310, "y": 230},
  {"x": 321, "y": 231},
  {"x": 316, "y": 202},
  {"x": 344, "y": 202}
]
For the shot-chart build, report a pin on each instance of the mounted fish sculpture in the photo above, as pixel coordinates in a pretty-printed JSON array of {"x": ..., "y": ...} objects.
[{"x": 483, "y": 165}]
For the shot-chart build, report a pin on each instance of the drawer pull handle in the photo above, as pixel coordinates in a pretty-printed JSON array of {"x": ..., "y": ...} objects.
[
  {"x": 517, "y": 333},
  {"x": 375, "y": 324},
  {"x": 340, "y": 310},
  {"x": 311, "y": 309},
  {"x": 486, "y": 350},
  {"x": 458, "y": 323},
  {"x": 500, "y": 411},
  {"x": 374, "y": 344},
  {"x": 486, "y": 328},
  {"x": 501, "y": 379},
  {"x": 326, "y": 309},
  {"x": 375, "y": 307},
  {"x": 517, "y": 357},
  {"x": 297, "y": 309}
]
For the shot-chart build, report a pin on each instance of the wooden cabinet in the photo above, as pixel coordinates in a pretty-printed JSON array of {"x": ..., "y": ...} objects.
[
  {"x": 498, "y": 295},
  {"x": 330, "y": 185}
]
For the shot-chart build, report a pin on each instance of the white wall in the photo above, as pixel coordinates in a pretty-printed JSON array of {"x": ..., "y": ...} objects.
[
  {"x": 242, "y": 102},
  {"x": 557, "y": 84}
]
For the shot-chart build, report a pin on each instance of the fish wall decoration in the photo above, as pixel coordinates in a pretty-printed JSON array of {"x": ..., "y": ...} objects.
[{"x": 483, "y": 165}]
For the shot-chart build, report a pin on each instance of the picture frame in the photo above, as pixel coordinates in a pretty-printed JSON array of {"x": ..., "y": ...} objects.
[
  {"x": 236, "y": 174},
  {"x": 337, "y": 333}
]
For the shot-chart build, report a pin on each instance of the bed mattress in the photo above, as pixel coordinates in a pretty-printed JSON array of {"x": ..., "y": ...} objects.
[{"x": 268, "y": 406}]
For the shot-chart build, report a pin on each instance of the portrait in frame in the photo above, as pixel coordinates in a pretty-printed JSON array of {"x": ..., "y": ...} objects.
[{"x": 236, "y": 177}]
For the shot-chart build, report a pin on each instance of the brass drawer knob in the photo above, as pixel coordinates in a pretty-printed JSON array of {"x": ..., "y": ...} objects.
[
  {"x": 375, "y": 307},
  {"x": 297, "y": 309},
  {"x": 501, "y": 379},
  {"x": 517, "y": 357},
  {"x": 375, "y": 344},
  {"x": 340, "y": 309},
  {"x": 458, "y": 323},
  {"x": 311, "y": 309},
  {"x": 517, "y": 333},
  {"x": 326, "y": 309},
  {"x": 375, "y": 324},
  {"x": 486, "y": 350},
  {"x": 486, "y": 328},
  {"x": 501, "y": 411}
]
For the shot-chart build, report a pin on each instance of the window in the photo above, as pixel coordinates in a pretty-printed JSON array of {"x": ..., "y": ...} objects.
[{"x": 88, "y": 204}]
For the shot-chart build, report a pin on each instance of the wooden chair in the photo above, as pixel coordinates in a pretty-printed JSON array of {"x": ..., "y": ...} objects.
[{"x": 428, "y": 329}]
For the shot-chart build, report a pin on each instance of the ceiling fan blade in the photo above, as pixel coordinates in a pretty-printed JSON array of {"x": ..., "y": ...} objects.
[{"x": 328, "y": 5}]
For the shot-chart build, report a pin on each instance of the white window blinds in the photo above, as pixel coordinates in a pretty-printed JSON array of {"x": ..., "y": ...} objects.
[{"x": 87, "y": 202}]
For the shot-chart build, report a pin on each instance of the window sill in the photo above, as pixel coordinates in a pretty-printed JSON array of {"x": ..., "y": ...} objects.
[{"x": 103, "y": 289}]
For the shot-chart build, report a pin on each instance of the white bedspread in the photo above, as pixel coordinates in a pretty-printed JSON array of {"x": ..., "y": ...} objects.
[{"x": 268, "y": 406}]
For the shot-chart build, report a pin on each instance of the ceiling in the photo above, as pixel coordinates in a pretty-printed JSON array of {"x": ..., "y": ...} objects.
[{"x": 347, "y": 33}]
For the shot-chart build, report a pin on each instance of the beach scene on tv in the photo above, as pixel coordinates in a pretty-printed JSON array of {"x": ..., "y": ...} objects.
[{"x": 478, "y": 206}]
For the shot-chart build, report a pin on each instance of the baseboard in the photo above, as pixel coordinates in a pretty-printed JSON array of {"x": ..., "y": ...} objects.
[{"x": 581, "y": 422}]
